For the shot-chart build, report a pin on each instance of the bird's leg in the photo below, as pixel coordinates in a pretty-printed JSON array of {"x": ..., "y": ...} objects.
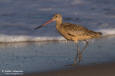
[
  {"x": 77, "y": 54},
  {"x": 80, "y": 53}
]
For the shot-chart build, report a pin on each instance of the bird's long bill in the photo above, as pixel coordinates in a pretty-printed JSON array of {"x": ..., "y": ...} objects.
[{"x": 44, "y": 24}]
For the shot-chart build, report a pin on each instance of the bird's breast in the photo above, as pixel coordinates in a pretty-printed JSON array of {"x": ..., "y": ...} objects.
[{"x": 64, "y": 33}]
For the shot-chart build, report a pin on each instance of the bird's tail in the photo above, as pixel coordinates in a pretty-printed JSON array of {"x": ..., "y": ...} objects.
[
  {"x": 96, "y": 34},
  {"x": 99, "y": 33}
]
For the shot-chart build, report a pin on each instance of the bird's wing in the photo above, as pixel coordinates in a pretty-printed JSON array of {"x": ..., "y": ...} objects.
[{"x": 74, "y": 29}]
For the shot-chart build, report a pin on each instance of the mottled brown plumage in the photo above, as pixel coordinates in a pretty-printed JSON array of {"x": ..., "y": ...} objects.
[
  {"x": 76, "y": 32},
  {"x": 73, "y": 32}
]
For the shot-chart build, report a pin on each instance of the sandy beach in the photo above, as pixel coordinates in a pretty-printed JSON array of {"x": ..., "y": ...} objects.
[{"x": 107, "y": 69}]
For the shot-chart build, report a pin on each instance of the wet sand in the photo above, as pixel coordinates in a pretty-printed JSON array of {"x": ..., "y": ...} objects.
[{"x": 107, "y": 69}]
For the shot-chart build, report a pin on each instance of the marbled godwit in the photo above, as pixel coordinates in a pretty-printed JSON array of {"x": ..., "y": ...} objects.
[{"x": 73, "y": 32}]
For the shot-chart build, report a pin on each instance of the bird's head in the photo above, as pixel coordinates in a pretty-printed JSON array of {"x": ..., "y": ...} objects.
[{"x": 57, "y": 17}]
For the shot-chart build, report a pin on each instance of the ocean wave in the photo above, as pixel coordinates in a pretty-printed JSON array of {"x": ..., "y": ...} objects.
[{"x": 30, "y": 38}]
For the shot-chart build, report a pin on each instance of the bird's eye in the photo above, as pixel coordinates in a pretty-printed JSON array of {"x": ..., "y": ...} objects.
[{"x": 56, "y": 16}]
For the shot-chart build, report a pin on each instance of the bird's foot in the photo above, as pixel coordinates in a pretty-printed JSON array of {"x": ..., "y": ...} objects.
[{"x": 76, "y": 62}]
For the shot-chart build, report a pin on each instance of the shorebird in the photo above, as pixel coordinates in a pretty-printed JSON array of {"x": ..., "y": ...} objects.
[{"x": 73, "y": 32}]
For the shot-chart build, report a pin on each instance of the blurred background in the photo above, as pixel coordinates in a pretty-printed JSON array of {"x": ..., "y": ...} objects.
[{"x": 18, "y": 18}]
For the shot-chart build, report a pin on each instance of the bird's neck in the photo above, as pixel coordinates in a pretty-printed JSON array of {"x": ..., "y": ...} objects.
[{"x": 58, "y": 23}]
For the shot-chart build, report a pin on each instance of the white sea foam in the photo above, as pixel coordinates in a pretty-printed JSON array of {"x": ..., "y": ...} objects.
[
  {"x": 24, "y": 38},
  {"x": 107, "y": 31}
]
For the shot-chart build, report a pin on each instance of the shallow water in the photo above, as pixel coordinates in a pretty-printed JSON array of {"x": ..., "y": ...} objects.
[{"x": 46, "y": 56}]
